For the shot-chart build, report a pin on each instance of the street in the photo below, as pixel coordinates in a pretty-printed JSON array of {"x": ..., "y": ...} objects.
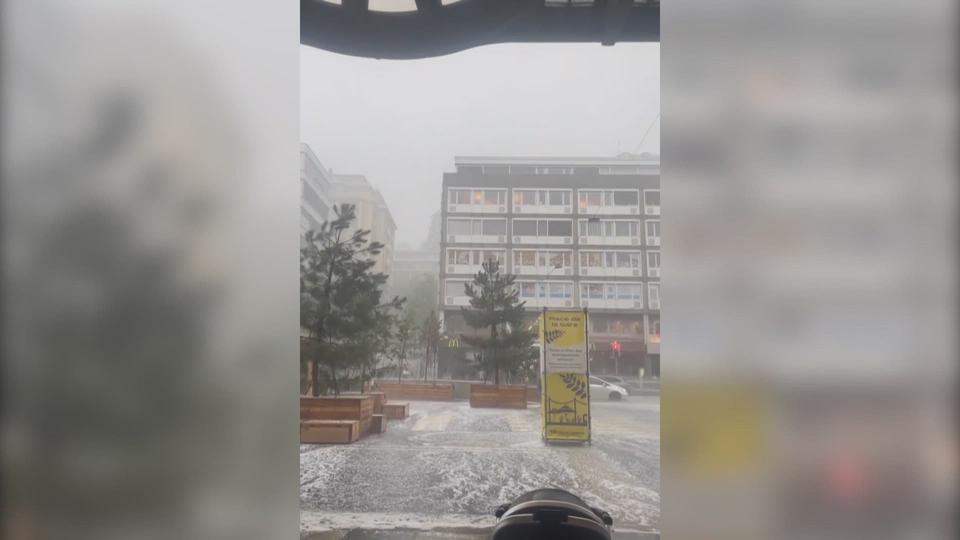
[{"x": 447, "y": 466}]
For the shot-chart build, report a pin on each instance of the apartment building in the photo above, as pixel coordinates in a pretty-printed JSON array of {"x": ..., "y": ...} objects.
[
  {"x": 577, "y": 232},
  {"x": 372, "y": 213},
  {"x": 315, "y": 181}
]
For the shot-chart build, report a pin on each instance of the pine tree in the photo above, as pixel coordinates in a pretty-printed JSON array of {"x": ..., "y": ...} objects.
[
  {"x": 404, "y": 339},
  {"x": 340, "y": 300},
  {"x": 494, "y": 306},
  {"x": 430, "y": 341}
]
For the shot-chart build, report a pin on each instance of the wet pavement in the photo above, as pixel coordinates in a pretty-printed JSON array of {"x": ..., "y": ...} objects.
[{"x": 444, "y": 469}]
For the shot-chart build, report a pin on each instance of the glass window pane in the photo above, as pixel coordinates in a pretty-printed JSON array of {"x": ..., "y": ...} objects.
[
  {"x": 458, "y": 226},
  {"x": 495, "y": 227},
  {"x": 625, "y": 198},
  {"x": 492, "y": 196},
  {"x": 622, "y": 228},
  {"x": 478, "y": 196},
  {"x": 524, "y": 227},
  {"x": 542, "y": 228},
  {"x": 560, "y": 228},
  {"x": 556, "y": 198},
  {"x": 651, "y": 198},
  {"x": 594, "y": 228}
]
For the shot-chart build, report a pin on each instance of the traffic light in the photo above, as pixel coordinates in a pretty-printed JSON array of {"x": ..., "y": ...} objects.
[{"x": 615, "y": 346}]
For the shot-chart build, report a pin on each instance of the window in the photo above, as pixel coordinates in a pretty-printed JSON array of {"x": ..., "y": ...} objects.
[
  {"x": 589, "y": 198},
  {"x": 558, "y": 258},
  {"x": 459, "y": 226},
  {"x": 456, "y": 288},
  {"x": 655, "y": 327},
  {"x": 558, "y": 290},
  {"x": 519, "y": 169},
  {"x": 624, "y": 291},
  {"x": 493, "y": 197},
  {"x": 459, "y": 196},
  {"x": 590, "y": 228},
  {"x": 542, "y": 227},
  {"x": 524, "y": 227},
  {"x": 653, "y": 295},
  {"x": 528, "y": 289},
  {"x": 478, "y": 196},
  {"x": 628, "y": 260},
  {"x": 458, "y": 256},
  {"x": 653, "y": 229},
  {"x": 622, "y": 228},
  {"x": 592, "y": 291},
  {"x": 498, "y": 256},
  {"x": 525, "y": 258},
  {"x": 625, "y": 198},
  {"x": 560, "y": 228},
  {"x": 525, "y": 197},
  {"x": 559, "y": 198},
  {"x": 591, "y": 259},
  {"x": 494, "y": 227},
  {"x": 496, "y": 170},
  {"x": 651, "y": 197},
  {"x": 653, "y": 260}
]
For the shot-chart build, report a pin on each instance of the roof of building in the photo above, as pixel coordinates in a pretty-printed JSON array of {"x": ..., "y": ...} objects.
[{"x": 624, "y": 158}]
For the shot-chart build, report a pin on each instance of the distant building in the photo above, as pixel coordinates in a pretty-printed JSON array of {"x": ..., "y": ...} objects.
[
  {"x": 410, "y": 265},
  {"x": 577, "y": 232},
  {"x": 314, "y": 190},
  {"x": 372, "y": 213}
]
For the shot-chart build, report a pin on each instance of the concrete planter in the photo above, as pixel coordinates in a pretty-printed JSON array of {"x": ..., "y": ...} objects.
[{"x": 504, "y": 396}]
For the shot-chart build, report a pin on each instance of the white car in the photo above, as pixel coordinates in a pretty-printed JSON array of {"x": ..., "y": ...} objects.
[{"x": 601, "y": 388}]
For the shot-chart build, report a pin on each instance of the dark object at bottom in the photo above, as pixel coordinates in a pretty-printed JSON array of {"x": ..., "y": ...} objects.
[{"x": 551, "y": 514}]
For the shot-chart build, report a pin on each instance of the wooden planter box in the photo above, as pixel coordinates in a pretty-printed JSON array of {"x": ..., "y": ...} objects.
[
  {"x": 329, "y": 431},
  {"x": 421, "y": 391},
  {"x": 379, "y": 398},
  {"x": 396, "y": 411},
  {"x": 355, "y": 407},
  {"x": 504, "y": 396},
  {"x": 379, "y": 424}
]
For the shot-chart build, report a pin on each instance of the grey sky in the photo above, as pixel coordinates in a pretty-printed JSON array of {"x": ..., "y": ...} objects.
[{"x": 401, "y": 122}]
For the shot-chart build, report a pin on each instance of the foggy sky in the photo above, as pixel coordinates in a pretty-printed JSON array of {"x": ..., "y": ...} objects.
[{"x": 401, "y": 122}]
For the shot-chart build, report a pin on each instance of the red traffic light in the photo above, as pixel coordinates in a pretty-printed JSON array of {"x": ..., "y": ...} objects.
[{"x": 615, "y": 346}]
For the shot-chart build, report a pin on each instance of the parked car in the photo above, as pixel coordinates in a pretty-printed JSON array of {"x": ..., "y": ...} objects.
[{"x": 613, "y": 392}]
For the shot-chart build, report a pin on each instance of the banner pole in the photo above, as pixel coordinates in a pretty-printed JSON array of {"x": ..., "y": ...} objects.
[
  {"x": 543, "y": 375},
  {"x": 586, "y": 349}
]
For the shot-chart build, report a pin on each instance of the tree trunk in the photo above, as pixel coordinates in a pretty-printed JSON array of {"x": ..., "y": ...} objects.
[
  {"x": 315, "y": 377},
  {"x": 496, "y": 357}
]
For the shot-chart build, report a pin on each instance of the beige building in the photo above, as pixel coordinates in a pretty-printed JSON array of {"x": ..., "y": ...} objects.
[{"x": 372, "y": 213}]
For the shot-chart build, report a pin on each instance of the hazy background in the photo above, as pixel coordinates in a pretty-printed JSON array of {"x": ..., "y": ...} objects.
[{"x": 401, "y": 122}]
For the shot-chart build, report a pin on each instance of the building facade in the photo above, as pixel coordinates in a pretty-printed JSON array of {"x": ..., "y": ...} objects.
[
  {"x": 372, "y": 213},
  {"x": 315, "y": 182},
  {"x": 577, "y": 232}
]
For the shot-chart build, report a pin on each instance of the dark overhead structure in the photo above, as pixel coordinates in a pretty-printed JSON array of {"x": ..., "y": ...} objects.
[{"x": 439, "y": 27}]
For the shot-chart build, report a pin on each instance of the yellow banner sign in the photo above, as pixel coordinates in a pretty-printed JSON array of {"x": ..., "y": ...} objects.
[{"x": 565, "y": 400}]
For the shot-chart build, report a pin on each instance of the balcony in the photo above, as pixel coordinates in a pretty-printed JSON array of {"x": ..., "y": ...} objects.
[
  {"x": 601, "y": 271},
  {"x": 611, "y": 303},
  {"x": 608, "y": 202},
  {"x": 476, "y": 239}
]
